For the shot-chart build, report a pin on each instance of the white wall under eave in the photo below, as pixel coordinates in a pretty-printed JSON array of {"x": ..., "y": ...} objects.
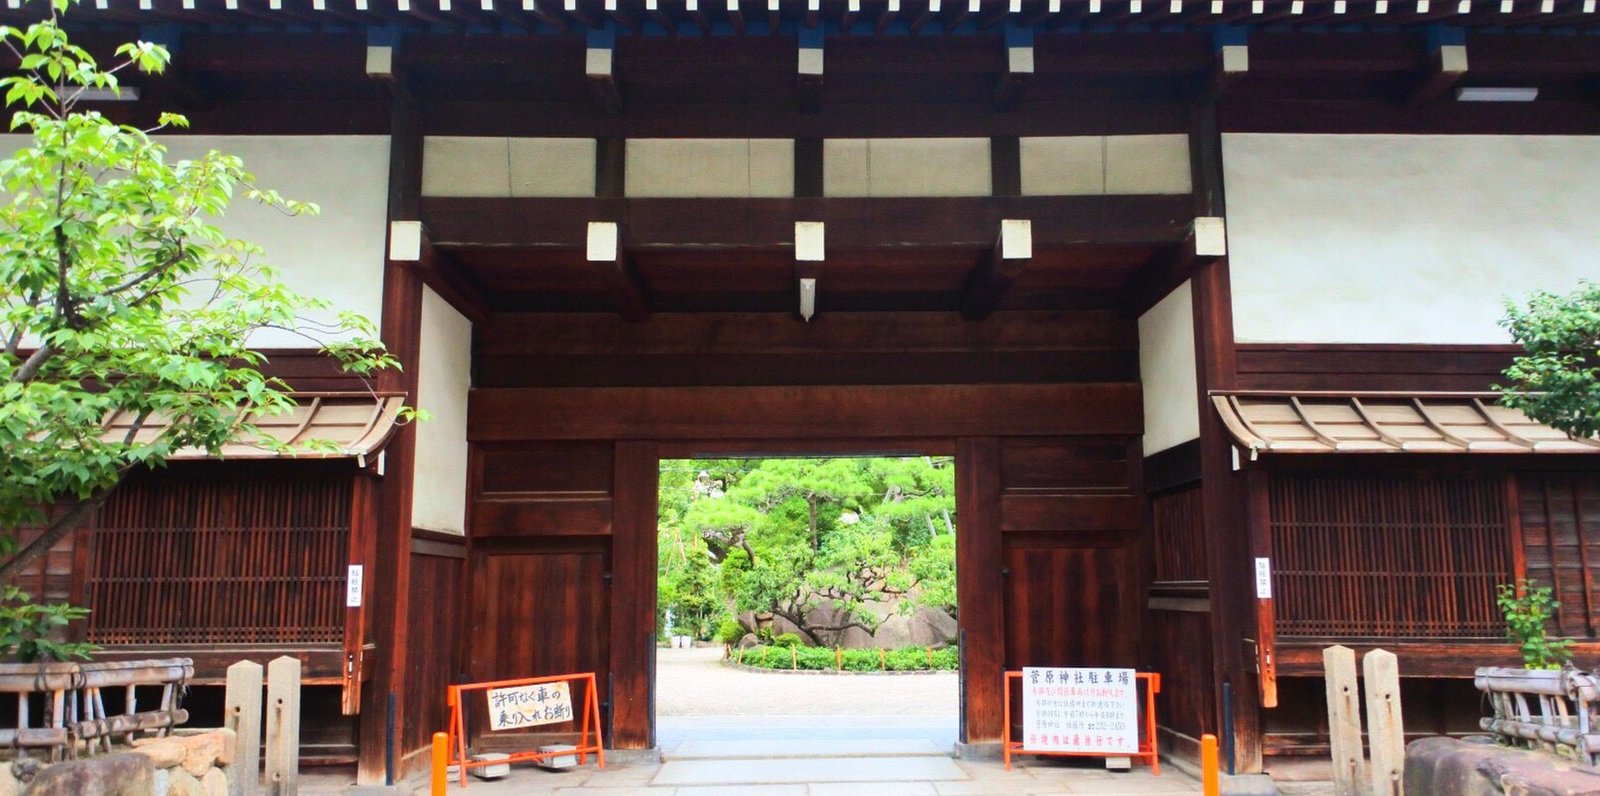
[
  {"x": 444, "y": 375},
  {"x": 1167, "y": 372},
  {"x": 1403, "y": 239}
]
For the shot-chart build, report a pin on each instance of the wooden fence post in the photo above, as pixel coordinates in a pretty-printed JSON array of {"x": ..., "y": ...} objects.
[
  {"x": 241, "y": 712},
  {"x": 283, "y": 727},
  {"x": 1344, "y": 720},
  {"x": 1385, "y": 728}
]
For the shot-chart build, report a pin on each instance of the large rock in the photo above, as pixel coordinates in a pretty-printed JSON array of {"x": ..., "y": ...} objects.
[
  {"x": 182, "y": 783},
  {"x": 1452, "y": 767},
  {"x": 125, "y": 774},
  {"x": 202, "y": 753},
  {"x": 163, "y": 752},
  {"x": 215, "y": 783}
]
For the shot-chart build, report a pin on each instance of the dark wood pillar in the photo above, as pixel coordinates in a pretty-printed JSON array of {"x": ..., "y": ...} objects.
[
  {"x": 632, "y": 643},
  {"x": 980, "y": 589},
  {"x": 400, "y": 329},
  {"x": 1223, "y": 491}
]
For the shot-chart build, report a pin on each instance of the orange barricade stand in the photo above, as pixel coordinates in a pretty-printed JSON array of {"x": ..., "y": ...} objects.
[
  {"x": 589, "y": 719},
  {"x": 1147, "y": 740}
]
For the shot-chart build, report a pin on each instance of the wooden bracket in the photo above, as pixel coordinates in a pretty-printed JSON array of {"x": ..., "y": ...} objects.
[
  {"x": 1004, "y": 262},
  {"x": 621, "y": 276},
  {"x": 809, "y": 67},
  {"x": 599, "y": 63},
  {"x": 1019, "y": 66},
  {"x": 409, "y": 245},
  {"x": 1447, "y": 65},
  {"x": 1173, "y": 265}
]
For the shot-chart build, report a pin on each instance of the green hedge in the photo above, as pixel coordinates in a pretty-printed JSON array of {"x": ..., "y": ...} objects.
[{"x": 905, "y": 659}]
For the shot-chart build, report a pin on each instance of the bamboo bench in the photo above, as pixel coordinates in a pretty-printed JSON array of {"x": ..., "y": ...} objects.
[{"x": 1553, "y": 710}]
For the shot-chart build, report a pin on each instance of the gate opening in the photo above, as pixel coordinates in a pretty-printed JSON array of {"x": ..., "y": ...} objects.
[{"x": 807, "y": 598}]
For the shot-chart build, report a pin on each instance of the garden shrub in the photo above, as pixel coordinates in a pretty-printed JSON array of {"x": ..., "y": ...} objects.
[{"x": 906, "y": 659}]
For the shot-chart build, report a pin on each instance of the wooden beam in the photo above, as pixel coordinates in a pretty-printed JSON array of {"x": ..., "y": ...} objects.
[
  {"x": 617, "y": 270},
  {"x": 774, "y": 16},
  {"x": 576, "y": 10},
  {"x": 1447, "y": 65},
  {"x": 1002, "y": 264},
  {"x": 1019, "y": 66},
  {"x": 809, "y": 67},
  {"x": 692, "y": 8},
  {"x": 599, "y": 63},
  {"x": 652, "y": 8},
  {"x": 926, "y": 16},
  {"x": 632, "y": 590},
  {"x": 847, "y": 19},
  {"x": 980, "y": 586},
  {"x": 1173, "y": 265},
  {"x": 545, "y": 15},
  {"x": 409, "y": 245},
  {"x": 736, "y": 17},
  {"x": 832, "y": 411},
  {"x": 767, "y": 224},
  {"x": 621, "y": 17},
  {"x": 885, "y": 19},
  {"x": 810, "y": 253}
]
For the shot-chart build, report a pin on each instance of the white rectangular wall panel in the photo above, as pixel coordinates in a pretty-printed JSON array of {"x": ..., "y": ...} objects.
[
  {"x": 337, "y": 255},
  {"x": 1403, "y": 239},
  {"x": 444, "y": 375},
  {"x": 710, "y": 167},
  {"x": 1167, "y": 372},
  {"x": 1148, "y": 164},
  {"x": 501, "y": 167},
  {"x": 1063, "y": 165},
  {"x": 891, "y": 167}
]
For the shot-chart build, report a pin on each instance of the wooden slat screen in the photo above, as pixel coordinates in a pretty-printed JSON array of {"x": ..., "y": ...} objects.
[
  {"x": 1180, "y": 540},
  {"x": 221, "y": 561},
  {"x": 1389, "y": 556},
  {"x": 1560, "y": 515}
]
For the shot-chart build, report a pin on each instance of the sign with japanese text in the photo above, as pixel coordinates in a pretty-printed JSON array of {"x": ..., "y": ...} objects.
[
  {"x": 1093, "y": 711},
  {"x": 529, "y": 706}
]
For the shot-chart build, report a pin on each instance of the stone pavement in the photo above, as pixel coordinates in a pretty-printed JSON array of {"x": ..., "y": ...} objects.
[{"x": 798, "y": 734}]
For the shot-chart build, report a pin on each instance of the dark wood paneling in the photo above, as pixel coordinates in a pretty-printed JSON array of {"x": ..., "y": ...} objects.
[
  {"x": 1071, "y": 605},
  {"x": 978, "y": 579},
  {"x": 1080, "y": 513},
  {"x": 1178, "y": 641},
  {"x": 1459, "y": 368},
  {"x": 533, "y": 468},
  {"x": 801, "y": 413},
  {"x": 572, "y": 517},
  {"x": 1078, "y": 465},
  {"x": 1560, "y": 518},
  {"x": 633, "y": 597},
  {"x": 1174, "y": 467},
  {"x": 1179, "y": 537},
  {"x": 437, "y": 634}
]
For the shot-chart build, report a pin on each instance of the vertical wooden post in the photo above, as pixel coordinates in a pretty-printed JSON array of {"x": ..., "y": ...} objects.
[
  {"x": 1385, "y": 729},
  {"x": 283, "y": 727},
  {"x": 241, "y": 712},
  {"x": 980, "y": 589},
  {"x": 1344, "y": 720},
  {"x": 633, "y": 594}
]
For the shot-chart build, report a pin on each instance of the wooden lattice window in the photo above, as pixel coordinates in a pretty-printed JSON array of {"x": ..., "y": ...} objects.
[
  {"x": 1180, "y": 541},
  {"x": 219, "y": 560},
  {"x": 1560, "y": 515},
  {"x": 1389, "y": 556}
]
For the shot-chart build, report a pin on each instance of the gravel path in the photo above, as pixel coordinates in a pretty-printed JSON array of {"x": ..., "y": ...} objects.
[{"x": 694, "y": 682}]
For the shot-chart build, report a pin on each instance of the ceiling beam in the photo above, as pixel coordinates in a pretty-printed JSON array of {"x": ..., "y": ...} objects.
[
  {"x": 808, "y": 80},
  {"x": 1173, "y": 265},
  {"x": 1019, "y": 66},
  {"x": 926, "y": 16},
  {"x": 410, "y": 247},
  {"x": 810, "y": 253},
  {"x": 988, "y": 284},
  {"x": 1447, "y": 65},
  {"x": 617, "y": 270},
  {"x": 599, "y": 63},
  {"x": 885, "y": 19}
]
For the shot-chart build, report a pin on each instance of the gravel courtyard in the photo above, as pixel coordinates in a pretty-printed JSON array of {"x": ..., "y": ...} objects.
[{"x": 694, "y": 682}]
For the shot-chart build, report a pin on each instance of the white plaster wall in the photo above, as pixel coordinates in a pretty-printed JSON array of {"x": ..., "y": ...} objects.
[
  {"x": 337, "y": 255},
  {"x": 887, "y": 167},
  {"x": 710, "y": 167},
  {"x": 1403, "y": 239},
  {"x": 500, "y": 167},
  {"x": 444, "y": 375},
  {"x": 1167, "y": 372}
]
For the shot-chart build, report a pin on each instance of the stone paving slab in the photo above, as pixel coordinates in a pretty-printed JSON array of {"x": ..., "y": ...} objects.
[
  {"x": 775, "y": 749},
  {"x": 800, "y": 771}
]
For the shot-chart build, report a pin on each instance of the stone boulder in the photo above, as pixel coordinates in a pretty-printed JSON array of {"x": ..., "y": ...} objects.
[
  {"x": 111, "y": 775},
  {"x": 1454, "y": 767}
]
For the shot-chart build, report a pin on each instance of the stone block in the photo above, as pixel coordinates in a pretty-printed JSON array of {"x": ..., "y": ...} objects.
[
  {"x": 1452, "y": 767},
  {"x": 202, "y": 753},
  {"x": 214, "y": 783},
  {"x": 182, "y": 783},
  {"x": 8, "y": 781},
  {"x": 124, "y": 774},
  {"x": 230, "y": 746},
  {"x": 163, "y": 752}
]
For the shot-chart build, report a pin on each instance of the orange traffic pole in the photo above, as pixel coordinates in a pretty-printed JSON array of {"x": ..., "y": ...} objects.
[
  {"x": 1210, "y": 781},
  {"x": 441, "y": 759}
]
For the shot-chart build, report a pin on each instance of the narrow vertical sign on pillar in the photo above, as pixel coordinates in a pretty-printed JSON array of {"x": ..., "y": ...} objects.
[{"x": 283, "y": 727}]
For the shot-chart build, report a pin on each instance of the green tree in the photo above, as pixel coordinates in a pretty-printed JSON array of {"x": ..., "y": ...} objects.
[
  {"x": 120, "y": 294},
  {"x": 1557, "y": 380},
  {"x": 793, "y": 535}
]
